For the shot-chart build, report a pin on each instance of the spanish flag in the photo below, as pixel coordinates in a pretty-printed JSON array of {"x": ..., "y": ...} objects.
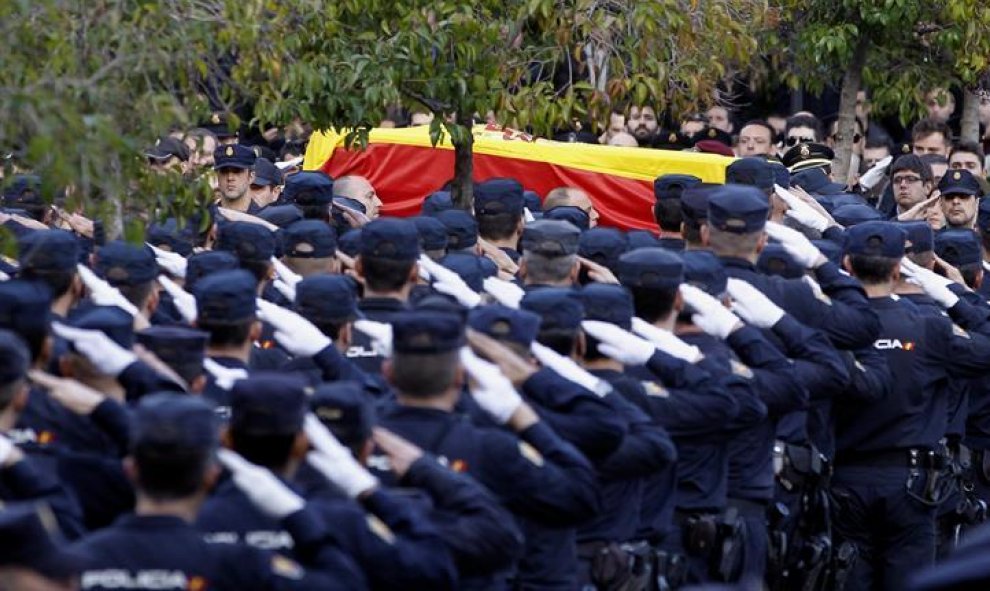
[{"x": 404, "y": 168}]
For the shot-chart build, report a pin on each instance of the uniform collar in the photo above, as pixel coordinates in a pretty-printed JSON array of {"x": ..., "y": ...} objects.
[
  {"x": 134, "y": 521},
  {"x": 737, "y": 263},
  {"x": 381, "y": 304}
]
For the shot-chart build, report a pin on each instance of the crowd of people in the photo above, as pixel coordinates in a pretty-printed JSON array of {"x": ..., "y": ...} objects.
[{"x": 785, "y": 384}]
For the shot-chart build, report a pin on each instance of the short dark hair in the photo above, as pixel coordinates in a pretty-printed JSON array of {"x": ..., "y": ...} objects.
[
  {"x": 927, "y": 127},
  {"x": 915, "y": 164},
  {"x": 313, "y": 212},
  {"x": 497, "y": 226},
  {"x": 169, "y": 474},
  {"x": 970, "y": 273},
  {"x": 652, "y": 304},
  {"x": 424, "y": 375},
  {"x": 805, "y": 121},
  {"x": 548, "y": 269},
  {"x": 691, "y": 231},
  {"x": 382, "y": 274},
  {"x": 668, "y": 214},
  {"x": 871, "y": 270},
  {"x": 560, "y": 340},
  {"x": 227, "y": 334},
  {"x": 968, "y": 147},
  {"x": 138, "y": 293},
  {"x": 764, "y": 124},
  {"x": 260, "y": 269},
  {"x": 270, "y": 451},
  {"x": 58, "y": 281}
]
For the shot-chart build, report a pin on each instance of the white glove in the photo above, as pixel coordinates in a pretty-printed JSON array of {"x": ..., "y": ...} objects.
[
  {"x": 569, "y": 370},
  {"x": 292, "y": 331},
  {"x": 801, "y": 211},
  {"x": 875, "y": 174},
  {"x": 796, "y": 245},
  {"x": 710, "y": 315},
  {"x": 936, "y": 286},
  {"x": 335, "y": 461},
  {"x": 4, "y": 276},
  {"x": 506, "y": 293},
  {"x": 380, "y": 334},
  {"x": 261, "y": 487},
  {"x": 101, "y": 351},
  {"x": 435, "y": 270},
  {"x": 666, "y": 341},
  {"x": 752, "y": 305},
  {"x": 184, "y": 301},
  {"x": 493, "y": 391},
  {"x": 289, "y": 291},
  {"x": 6, "y": 448},
  {"x": 224, "y": 376},
  {"x": 619, "y": 344},
  {"x": 102, "y": 293},
  {"x": 290, "y": 277},
  {"x": 173, "y": 262},
  {"x": 459, "y": 291},
  {"x": 528, "y": 215}
]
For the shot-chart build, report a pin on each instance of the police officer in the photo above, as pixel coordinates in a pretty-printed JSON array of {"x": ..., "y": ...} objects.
[
  {"x": 172, "y": 464},
  {"x": 32, "y": 554},
  {"x": 234, "y": 165},
  {"x": 498, "y": 207},
  {"x": 886, "y": 476},
  {"x": 479, "y": 532},
  {"x": 51, "y": 256},
  {"x": 540, "y": 478},
  {"x": 667, "y": 212},
  {"x": 393, "y": 542},
  {"x": 549, "y": 254},
  {"x": 308, "y": 248}
]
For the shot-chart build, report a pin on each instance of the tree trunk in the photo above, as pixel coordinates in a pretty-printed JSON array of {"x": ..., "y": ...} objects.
[
  {"x": 851, "y": 83},
  {"x": 463, "y": 189},
  {"x": 969, "y": 128}
]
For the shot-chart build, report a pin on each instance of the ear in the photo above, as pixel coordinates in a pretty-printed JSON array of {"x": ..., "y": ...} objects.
[
  {"x": 388, "y": 371},
  {"x": 77, "y": 288},
  {"x": 20, "y": 400},
  {"x": 225, "y": 438},
  {"x": 47, "y": 347},
  {"x": 210, "y": 477},
  {"x": 522, "y": 268},
  {"x": 130, "y": 470},
  {"x": 413, "y": 277},
  {"x": 847, "y": 263},
  {"x": 255, "y": 332},
  {"x": 359, "y": 266},
  {"x": 198, "y": 384},
  {"x": 365, "y": 452},
  {"x": 761, "y": 243},
  {"x": 678, "y": 301},
  {"x": 703, "y": 230},
  {"x": 580, "y": 345},
  {"x": 154, "y": 298},
  {"x": 65, "y": 367},
  {"x": 458, "y": 383},
  {"x": 575, "y": 272},
  {"x": 345, "y": 335},
  {"x": 300, "y": 446},
  {"x": 978, "y": 279}
]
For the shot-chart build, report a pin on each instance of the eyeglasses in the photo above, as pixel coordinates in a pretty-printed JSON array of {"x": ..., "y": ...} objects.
[
  {"x": 906, "y": 180},
  {"x": 795, "y": 140}
]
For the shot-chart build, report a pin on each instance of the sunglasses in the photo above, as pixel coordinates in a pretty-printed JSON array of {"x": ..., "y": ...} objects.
[{"x": 793, "y": 141}]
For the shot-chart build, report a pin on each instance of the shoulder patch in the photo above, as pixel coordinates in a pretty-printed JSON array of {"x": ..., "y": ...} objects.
[
  {"x": 529, "y": 452},
  {"x": 655, "y": 389},
  {"x": 286, "y": 567},
  {"x": 741, "y": 369},
  {"x": 958, "y": 331},
  {"x": 378, "y": 527}
]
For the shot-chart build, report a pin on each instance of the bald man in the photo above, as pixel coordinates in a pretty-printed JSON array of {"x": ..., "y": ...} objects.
[
  {"x": 358, "y": 188},
  {"x": 575, "y": 198}
]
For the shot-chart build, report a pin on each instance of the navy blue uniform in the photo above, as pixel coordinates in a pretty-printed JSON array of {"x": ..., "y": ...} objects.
[
  {"x": 539, "y": 477},
  {"x": 883, "y": 445},
  {"x": 165, "y": 553},
  {"x": 393, "y": 543}
]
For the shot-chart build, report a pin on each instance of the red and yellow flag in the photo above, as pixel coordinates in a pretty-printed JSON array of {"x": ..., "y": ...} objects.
[{"x": 404, "y": 168}]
